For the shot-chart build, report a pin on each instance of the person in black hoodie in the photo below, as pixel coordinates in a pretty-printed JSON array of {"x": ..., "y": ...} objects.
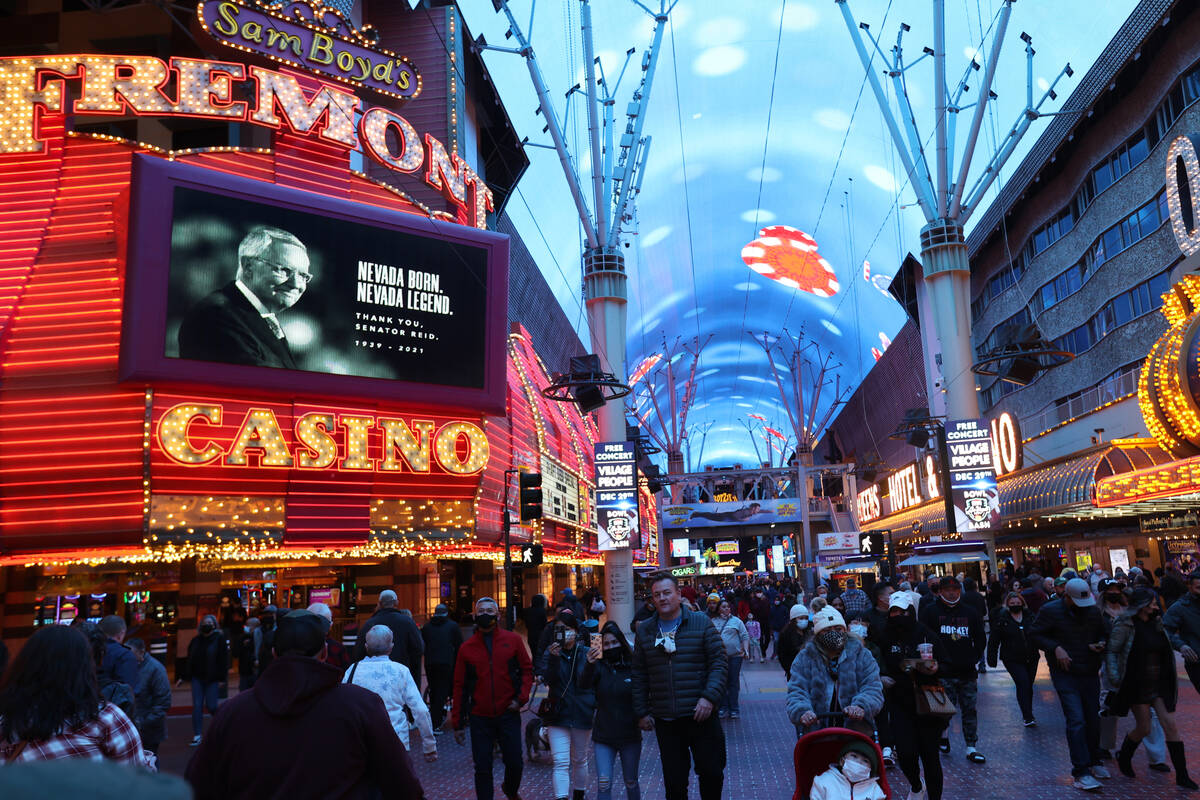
[
  {"x": 208, "y": 663},
  {"x": 442, "y": 638},
  {"x": 959, "y": 626},
  {"x": 1009, "y": 640},
  {"x": 301, "y": 732},
  {"x": 407, "y": 647},
  {"x": 534, "y": 618},
  {"x": 609, "y": 672}
]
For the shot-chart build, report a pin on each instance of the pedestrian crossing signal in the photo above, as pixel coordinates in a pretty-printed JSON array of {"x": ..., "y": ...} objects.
[
  {"x": 870, "y": 543},
  {"x": 531, "y": 555}
]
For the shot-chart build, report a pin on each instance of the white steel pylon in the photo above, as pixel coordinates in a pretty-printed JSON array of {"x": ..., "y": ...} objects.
[{"x": 944, "y": 194}]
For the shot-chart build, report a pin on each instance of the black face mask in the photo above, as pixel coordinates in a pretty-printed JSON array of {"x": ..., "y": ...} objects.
[
  {"x": 900, "y": 621},
  {"x": 1113, "y": 599},
  {"x": 485, "y": 621},
  {"x": 1016, "y": 609},
  {"x": 206, "y": 629},
  {"x": 613, "y": 655}
]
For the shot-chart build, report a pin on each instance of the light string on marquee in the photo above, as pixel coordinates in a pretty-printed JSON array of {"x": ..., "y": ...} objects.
[{"x": 136, "y": 85}]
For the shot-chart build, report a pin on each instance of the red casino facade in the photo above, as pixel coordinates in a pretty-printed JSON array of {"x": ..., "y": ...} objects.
[{"x": 161, "y": 486}]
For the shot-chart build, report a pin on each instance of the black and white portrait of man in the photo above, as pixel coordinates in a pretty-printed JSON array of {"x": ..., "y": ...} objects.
[{"x": 237, "y": 324}]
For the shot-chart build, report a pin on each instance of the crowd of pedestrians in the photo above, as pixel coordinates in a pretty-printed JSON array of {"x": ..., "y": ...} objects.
[{"x": 894, "y": 662}]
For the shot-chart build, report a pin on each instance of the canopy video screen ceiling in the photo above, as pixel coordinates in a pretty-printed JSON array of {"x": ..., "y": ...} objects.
[{"x": 260, "y": 289}]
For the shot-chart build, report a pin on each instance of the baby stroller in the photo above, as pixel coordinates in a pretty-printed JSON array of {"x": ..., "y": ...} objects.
[{"x": 816, "y": 750}]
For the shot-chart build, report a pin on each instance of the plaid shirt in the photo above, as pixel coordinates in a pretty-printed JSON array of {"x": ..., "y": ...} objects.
[
  {"x": 111, "y": 736},
  {"x": 857, "y": 603}
]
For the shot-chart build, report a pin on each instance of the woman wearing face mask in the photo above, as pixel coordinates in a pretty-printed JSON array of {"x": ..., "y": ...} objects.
[
  {"x": 917, "y": 736},
  {"x": 793, "y": 637},
  {"x": 1140, "y": 662},
  {"x": 208, "y": 663},
  {"x": 834, "y": 673},
  {"x": 609, "y": 672},
  {"x": 1008, "y": 641},
  {"x": 1114, "y": 602},
  {"x": 569, "y": 726}
]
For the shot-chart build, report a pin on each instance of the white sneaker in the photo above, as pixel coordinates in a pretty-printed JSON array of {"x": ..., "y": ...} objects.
[
  {"x": 1101, "y": 772},
  {"x": 1087, "y": 783},
  {"x": 889, "y": 756},
  {"x": 916, "y": 795}
]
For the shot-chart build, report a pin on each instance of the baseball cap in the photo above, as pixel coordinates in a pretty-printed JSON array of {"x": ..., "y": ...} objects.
[
  {"x": 798, "y": 610},
  {"x": 300, "y": 631},
  {"x": 1077, "y": 589},
  {"x": 1109, "y": 583},
  {"x": 947, "y": 581},
  {"x": 901, "y": 600},
  {"x": 713, "y": 596},
  {"x": 441, "y": 610},
  {"x": 827, "y": 617}
]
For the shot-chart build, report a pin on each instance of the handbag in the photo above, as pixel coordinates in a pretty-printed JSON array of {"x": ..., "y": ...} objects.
[{"x": 933, "y": 700}]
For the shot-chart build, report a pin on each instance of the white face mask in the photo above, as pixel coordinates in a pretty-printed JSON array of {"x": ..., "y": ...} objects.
[
  {"x": 859, "y": 630},
  {"x": 801, "y": 622},
  {"x": 855, "y": 771}
]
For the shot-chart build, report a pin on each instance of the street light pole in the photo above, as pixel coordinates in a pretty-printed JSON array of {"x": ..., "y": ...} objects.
[{"x": 510, "y": 611}]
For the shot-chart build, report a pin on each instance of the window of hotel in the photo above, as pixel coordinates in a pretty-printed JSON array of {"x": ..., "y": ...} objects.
[{"x": 1111, "y": 169}]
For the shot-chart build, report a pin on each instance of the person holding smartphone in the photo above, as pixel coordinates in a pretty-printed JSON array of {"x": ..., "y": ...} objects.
[{"x": 569, "y": 723}]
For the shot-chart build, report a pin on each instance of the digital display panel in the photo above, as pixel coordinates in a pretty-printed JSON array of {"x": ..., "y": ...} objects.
[{"x": 248, "y": 283}]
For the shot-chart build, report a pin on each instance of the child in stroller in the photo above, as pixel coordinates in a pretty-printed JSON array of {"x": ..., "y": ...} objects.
[{"x": 839, "y": 764}]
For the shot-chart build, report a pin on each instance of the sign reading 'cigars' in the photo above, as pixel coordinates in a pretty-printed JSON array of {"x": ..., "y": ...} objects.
[
  {"x": 309, "y": 35},
  {"x": 31, "y": 86}
]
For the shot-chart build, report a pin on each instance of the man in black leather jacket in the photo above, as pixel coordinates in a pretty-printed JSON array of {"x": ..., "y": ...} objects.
[{"x": 679, "y": 668}]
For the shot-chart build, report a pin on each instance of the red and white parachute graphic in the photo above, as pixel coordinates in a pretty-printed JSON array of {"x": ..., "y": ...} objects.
[
  {"x": 789, "y": 256},
  {"x": 884, "y": 344},
  {"x": 644, "y": 367}
]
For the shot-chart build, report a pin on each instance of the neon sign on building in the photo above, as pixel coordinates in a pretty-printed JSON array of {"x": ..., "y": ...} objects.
[{"x": 116, "y": 85}]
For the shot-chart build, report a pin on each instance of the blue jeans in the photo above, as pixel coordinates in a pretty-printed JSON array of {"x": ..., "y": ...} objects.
[
  {"x": 1079, "y": 696},
  {"x": 204, "y": 693},
  {"x": 485, "y": 732},
  {"x": 733, "y": 684},
  {"x": 606, "y": 761}
]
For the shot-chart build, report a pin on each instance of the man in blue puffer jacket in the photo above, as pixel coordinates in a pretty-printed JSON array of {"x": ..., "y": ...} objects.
[{"x": 834, "y": 673}]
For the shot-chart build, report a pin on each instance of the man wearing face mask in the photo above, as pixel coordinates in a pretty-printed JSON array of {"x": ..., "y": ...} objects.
[
  {"x": 834, "y": 673},
  {"x": 1071, "y": 632},
  {"x": 793, "y": 638},
  {"x": 959, "y": 626},
  {"x": 492, "y": 679}
]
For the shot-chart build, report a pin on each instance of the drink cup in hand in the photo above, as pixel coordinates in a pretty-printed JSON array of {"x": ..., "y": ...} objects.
[{"x": 926, "y": 651}]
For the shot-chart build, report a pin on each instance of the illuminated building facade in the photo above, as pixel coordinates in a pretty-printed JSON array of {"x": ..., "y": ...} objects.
[
  {"x": 1079, "y": 244},
  {"x": 256, "y": 338}
]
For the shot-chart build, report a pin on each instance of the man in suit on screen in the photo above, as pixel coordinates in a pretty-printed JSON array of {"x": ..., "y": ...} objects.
[{"x": 237, "y": 324}]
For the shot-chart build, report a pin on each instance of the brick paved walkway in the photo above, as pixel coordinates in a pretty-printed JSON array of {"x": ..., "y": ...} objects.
[{"x": 1022, "y": 764}]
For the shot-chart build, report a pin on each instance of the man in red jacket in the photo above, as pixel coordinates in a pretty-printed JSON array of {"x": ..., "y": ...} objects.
[
  {"x": 301, "y": 732},
  {"x": 492, "y": 678}
]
